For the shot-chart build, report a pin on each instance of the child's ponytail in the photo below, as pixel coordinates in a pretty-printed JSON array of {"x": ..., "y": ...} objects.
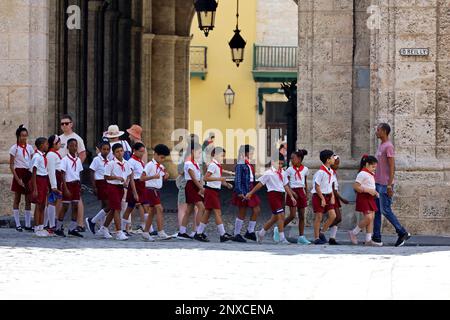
[
  {"x": 301, "y": 153},
  {"x": 366, "y": 159},
  {"x": 19, "y": 131}
]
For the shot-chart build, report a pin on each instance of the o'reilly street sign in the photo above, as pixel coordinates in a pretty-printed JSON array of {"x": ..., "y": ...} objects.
[{"x": 414, "y": 51}]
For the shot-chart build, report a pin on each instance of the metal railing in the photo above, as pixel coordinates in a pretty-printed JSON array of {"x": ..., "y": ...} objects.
[
  {"x": 274, "y": 57},
  {"x": 199, "y": 59}
]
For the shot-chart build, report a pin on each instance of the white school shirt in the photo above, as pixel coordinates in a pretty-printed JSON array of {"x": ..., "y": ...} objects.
[
  {"x": 152, "y": 169},
  {"x": 189, "y": 165},
  {"x": 98, "y": 165},
  {"x": 72, "y": 168},
  {"x": 294, "y": 180},
  {"x": 118, "y": 169},
  {"x": 324, "y": 180},
  {"x": 64, "y": 151},
  {"x": 137, "y": 167},
  {"x": 335, "y": 181},
  {"x": 22, "y": 156},
  {"x": 214, "y": 169},
  {"x": 125, "y": 145},
  {"x": 39, "y": 162},
  {"x": 366, "y": 180},
  {"x": 53, "y": 165},
  {"x": 272, "y": 180}
]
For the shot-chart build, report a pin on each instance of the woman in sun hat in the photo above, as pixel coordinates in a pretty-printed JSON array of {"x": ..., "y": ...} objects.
[
  {"x": 113, "y": 135},
  {"x": 135, "y": 134}
]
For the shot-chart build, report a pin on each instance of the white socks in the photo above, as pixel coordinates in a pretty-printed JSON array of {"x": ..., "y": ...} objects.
[
  {"x": 73, "y": 225},
  {"x": 16, "y": 217},
  {"x": 238, "y": 226},
  {"x": 182, "y": 230},
  {"x": 368, "y": 237},
  {"x": 51, "y": 213},
  {"x": 333, "y": 232},
  {"x": 221, "y": 229},
  {"x": 46, "y": 216},
  {"x": 28, "y": 218},
  {"x": 251, "y": 226},
  {"x": 282, "y": 237},
  {"x": 262, "y": 233},
  {"x": 125, "y": 222},
  {"x": 201, "y": 228},
  {"x": 356, "y": 231},
  {"x": 59, "y": 225},
  {"x": 99, "y": 217}
]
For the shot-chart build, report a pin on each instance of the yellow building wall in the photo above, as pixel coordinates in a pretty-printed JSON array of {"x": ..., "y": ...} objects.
[{"x": 207, "y": 103}]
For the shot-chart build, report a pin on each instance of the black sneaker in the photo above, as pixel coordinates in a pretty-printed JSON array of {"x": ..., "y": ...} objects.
[
  {"x": 201, "y": 237},
  {"x": 402, "y": 239},
  {"x": 75, "y": 233},
  {"x": 319, "y": 242},
  {"x": 60, "y": 233},
  {"x": 183, "y": 236},
  {"x": 90, "y": 225},
  {"x": 28, "y": 229},
  {"x": 19, "y": 229},
  {"x": 226, "y": 237},
  {"x": 238, "y": 238},
  {"x": 332, "y": 242},
  {"x": 127, "y": 233},
  {"x": 322, "y": 237},
  {"x": 80, "y": 229},
  {"x": 155, "y": 233},
  {"x": 250, "y": 236}
]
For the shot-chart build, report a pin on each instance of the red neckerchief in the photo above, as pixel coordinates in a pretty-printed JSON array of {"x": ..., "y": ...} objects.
[
  {"x": 367, "y": 170},
  {"x": 43, "y": 156},
  {"x": 74, "y": 161},
  {"x": 158, "y": 166},
  {"x": 251, "y": 166},
  {"x": 105, "y": 160},
  {"x": 279, "y": 172},
  {"x": 121, "y": 165},
  {"x": 138, "y": 160},
  {"x": 298, "y": 171},
  {"x": 57, "y": 153},
  {"x": 220, "y": 167},
  {"x": 24, "y": 149},
  {"x": 194, "y": 163},
  {"x": 323, "y": 168}
]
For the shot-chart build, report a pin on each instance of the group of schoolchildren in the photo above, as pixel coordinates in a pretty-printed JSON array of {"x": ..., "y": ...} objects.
[{"x": 53, "y": 184}]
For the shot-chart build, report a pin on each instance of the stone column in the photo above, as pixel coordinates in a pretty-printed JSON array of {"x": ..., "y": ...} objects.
[
  {"x": 146, "y": 86},
  {"x": 182, "y": 80},
  {"x": 163, "y": 89},
  {"x": 23, "y": 79},
  {"x": 325, "y": 84}
]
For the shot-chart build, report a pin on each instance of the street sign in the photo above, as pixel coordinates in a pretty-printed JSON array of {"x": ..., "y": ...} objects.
[{"x": 414, "y": 51}]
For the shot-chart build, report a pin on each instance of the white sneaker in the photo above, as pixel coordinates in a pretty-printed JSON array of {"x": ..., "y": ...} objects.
[
  {"x": 120, "y": 236},
  {"x": 41, "y": 234},
  {"x": 163, "y": 236},
  {"x": 147, "y": 237},
  {"x": 104, "y": 233},
  {"x": 284, "y": 241},
  {"x": 259, "y": 239}
]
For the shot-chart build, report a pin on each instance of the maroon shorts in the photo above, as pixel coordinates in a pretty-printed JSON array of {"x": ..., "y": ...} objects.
[
  {"x": 365, "y": 203},
  {"x": 42, "y": 184},
  {"x": 102, "y": 190},
  {"x": 302, "y": 200},
  {"x": 140, "y": 190},
  {"x": 212, "y": 199},
  {"x": 317, "y": 206},
  {"x": 192, "y": 196},
  {"x": 153, "y": 198},
  {"x": 25, "y": 176},
  {"x": 115, "y": 195},
  {"x": 337, "y": 203},
  {"x": 59, "y": 180},
  {"x": 75, "y": 191},
  {"x": 239, "y": 202},
  {"x": 276, "y": 201}
]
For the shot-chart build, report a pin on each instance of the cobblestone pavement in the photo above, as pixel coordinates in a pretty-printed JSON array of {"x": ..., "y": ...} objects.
[{"x": 91, "y": 268}]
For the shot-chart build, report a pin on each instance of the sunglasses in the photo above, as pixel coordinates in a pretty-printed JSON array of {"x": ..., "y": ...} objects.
[{"x": 65, "y": 123}]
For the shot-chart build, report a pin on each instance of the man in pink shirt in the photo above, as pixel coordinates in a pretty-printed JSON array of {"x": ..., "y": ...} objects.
[{"x": 384, "y": 178}]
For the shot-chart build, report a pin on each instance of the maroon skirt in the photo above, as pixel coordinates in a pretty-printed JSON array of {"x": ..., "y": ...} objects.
[
  {"x": 59, "y": 180},
  {"x": 302, "y": 200},
  {"x": 25, "y": 176},
  {"x": 192, "y": 196},
  {"x": 242, "y": 203},
  {"x": 140, "y": 190},
  {"x": 153, "y": 197},
  {"x": 212, "y": 199},
  {"x": 115, "y": 195},
  {"x": 365, "y": 203},
  {"x": 317, "y": 205},
  {"x": 75, "y": 191},
  {"x": 42, "y": 185},
  {"x": 276, "y": 200},
  {"x": 102, "y": 190}
]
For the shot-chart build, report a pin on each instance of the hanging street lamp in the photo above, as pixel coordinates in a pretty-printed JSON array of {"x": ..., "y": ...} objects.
[
  {"x": 229, "y": 99},
  {"x": 237, "y": 43},
  {"x": 206, "y": 14}
]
